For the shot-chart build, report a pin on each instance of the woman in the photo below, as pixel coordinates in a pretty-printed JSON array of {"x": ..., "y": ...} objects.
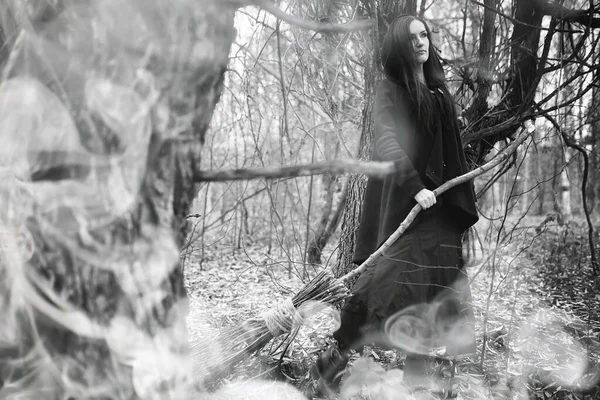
[{"x": 421, "y": 278}]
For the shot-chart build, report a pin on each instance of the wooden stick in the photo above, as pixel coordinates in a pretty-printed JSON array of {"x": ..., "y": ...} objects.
[
  {"x": 499, "y": 158},
  {"x": 370, "y": 168}
]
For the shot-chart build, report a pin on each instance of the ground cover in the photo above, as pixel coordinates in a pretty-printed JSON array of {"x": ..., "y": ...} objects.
[{"x": 536, "y": 300}]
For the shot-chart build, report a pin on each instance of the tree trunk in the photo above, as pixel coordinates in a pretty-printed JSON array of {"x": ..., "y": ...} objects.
[
  {"x": 92, "y": 300},
  {"x": 486, "y": 49},
  {"x": 385, "y": 11},
  {"x": 565, "y": 187},
  {"x": 542, "y": 169},
  {"x": 594, "y": 121},
  {"x": 328, "y": 223},
  {"x": 521, "y": 85},
  {"x": 526, "y": 198}
]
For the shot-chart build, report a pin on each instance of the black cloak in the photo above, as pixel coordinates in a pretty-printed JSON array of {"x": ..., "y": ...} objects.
[
  {"x": 422, "y": 274},
  {"x": 427, "y": 153}
]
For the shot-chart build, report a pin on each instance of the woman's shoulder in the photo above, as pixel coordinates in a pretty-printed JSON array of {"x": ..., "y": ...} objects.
[
  {"x": 387, "y": 87},
  {"x": 388, "y": 84}
]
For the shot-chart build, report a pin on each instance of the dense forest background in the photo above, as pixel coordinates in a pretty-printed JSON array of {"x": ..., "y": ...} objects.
[
  {"x": 172, "y": 169},
  {"x": 293, "y": 96}
]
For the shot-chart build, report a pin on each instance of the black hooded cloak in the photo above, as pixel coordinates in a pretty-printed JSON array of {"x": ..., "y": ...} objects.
[
  {"x": 427, "y": 153},
  {"x": 423, "y": 270}
]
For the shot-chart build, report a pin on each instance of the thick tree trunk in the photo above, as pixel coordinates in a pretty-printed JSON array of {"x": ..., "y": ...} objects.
[
  {"x": 486, "y": 49},
  {"x": 93, "y": 304},
  {"x": 352, "y": 211},
  {"x": 520, "y": 88},
  {"x": 330, "y": 219},
  {"x": 384, "y": 13}
]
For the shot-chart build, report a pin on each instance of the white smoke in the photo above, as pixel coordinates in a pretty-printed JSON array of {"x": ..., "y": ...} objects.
[{"x": 89, "y": 93}]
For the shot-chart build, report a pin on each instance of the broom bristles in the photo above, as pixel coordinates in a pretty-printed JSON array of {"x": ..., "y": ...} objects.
[{"x": 252, "y": 335}]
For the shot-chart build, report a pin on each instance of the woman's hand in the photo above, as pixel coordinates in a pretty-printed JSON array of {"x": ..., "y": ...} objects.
[{"x": 425, "y": 198}]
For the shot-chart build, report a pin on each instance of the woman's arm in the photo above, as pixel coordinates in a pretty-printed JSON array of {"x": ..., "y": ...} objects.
[{"x": 386, "y": 145}]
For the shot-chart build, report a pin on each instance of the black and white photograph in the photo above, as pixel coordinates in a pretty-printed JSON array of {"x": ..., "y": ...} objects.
[{"x": 299, "y": 199}]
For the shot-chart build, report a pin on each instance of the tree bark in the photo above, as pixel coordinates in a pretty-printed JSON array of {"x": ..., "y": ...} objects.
[
  {"x": 383, "y": 11},
  {"x": 328, "y": 223},
  {"x": 93, "y": 308},
  {"x": 486, "y": 49}
]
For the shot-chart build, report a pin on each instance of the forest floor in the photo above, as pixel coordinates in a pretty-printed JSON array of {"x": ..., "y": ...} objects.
[{"x": 536, "y": 302}]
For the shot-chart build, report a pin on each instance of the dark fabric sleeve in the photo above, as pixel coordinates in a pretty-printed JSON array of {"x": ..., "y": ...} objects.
[
  {"x": 367, "y": 236},
  {"x": 386, "y": 144}
]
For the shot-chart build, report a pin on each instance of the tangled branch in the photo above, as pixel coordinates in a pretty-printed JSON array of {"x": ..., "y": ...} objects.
[{"x": 321, "y": 27}]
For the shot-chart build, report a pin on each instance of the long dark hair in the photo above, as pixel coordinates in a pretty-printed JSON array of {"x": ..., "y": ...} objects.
[{"x": 399, "y": 63}]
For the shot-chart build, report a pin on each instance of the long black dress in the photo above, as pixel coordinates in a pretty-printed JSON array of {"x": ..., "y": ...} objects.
[{"x": 417, "y": 296}]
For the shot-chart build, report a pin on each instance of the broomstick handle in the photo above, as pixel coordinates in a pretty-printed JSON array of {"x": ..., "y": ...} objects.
[{"x": 499, "y": 158}]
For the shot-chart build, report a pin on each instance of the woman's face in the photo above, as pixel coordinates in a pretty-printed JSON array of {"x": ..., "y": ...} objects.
[{"x": 420, "y": 41}]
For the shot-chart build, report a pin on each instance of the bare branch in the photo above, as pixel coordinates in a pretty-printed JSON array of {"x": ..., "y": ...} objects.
[
  {"x": 321, "y": 27},
  {"x": 333, "y": 167},
  {"x": 294, "y": 93},
  {"x": 585, "y": 17},
  {"x": 505, "y": 125},
  {"x": 508, "y": 17}
]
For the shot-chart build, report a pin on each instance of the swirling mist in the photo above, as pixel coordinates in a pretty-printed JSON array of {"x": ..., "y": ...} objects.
[{"x": 96, "y": 98}]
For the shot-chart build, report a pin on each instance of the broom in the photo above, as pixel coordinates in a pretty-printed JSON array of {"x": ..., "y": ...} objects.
[{"x": 252, "y": 335}]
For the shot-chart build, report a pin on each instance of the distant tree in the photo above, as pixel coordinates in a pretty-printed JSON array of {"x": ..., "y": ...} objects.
[{"x": 594, "y": 143}]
